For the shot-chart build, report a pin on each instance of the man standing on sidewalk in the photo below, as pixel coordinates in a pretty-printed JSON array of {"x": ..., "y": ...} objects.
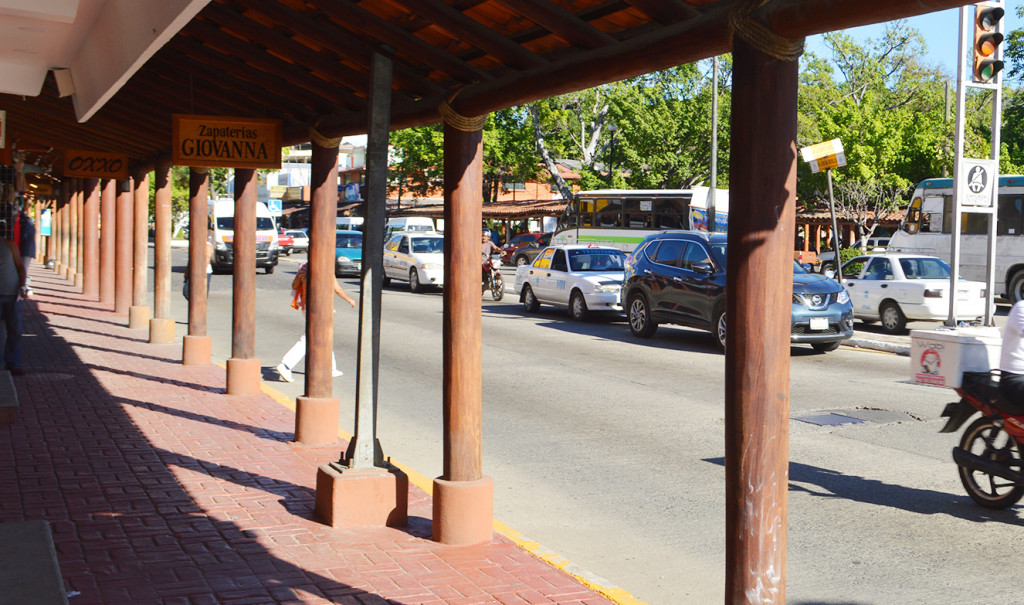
[{"x": 12, "y": 285}]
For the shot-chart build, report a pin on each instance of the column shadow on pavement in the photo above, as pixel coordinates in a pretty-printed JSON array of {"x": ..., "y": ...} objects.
[{"x": 262, "y": 433}]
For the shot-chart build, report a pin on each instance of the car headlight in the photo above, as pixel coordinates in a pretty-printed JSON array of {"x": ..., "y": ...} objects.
[
  {"x": 221, "y": 246},
  {"x": 342, "y": 259},
  {"x": 432, "y": 266},
  {"x": 273, "y": 245},
  {"x": 843, "y": 297},
  {"x": 933, "y": 293},
  {"x": 607, "y": 288}
]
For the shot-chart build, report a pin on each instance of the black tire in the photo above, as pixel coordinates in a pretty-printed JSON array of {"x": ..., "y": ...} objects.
[
  {"x": 530, "y": 302},
  {"x": 498, "y": 288},
  {"x": 641, "y": 323},
  {"x": 578, "y": 306},
  {"x": 385, "y": 281},
  {"x": 984, "y": 438},
  {"x": 522, "y": 260},
  {"x": 718, "y": 329},
  {"x": 1015, "y": 291},
  {"x": 893, "y": 319},
  {"x": 414, "y": 281},
  {"x": 269, "y": 269},
  {"x": 825, "y": 347}
]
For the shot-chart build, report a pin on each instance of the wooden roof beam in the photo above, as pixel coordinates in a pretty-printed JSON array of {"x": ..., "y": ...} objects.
[
  {"x": 561, "y": 23},
  {"x": 377, "y": 32},
  {"x": 467, "y": 29},
  {"x": 665, "y": 11}
]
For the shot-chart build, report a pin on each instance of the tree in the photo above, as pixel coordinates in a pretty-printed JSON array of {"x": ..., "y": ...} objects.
[
  {"x": 417, "y": 159},
  {"x": 864, "y": 204}
]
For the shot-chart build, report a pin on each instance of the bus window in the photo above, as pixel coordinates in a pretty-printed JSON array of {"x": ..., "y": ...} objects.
[
  {"x": 912, "y": 224},
  {"x": 609, "y": 214},
  {"x": 585, "y": 213},
  {"x": 1011, "y": 215},
  {"x": 671, "y": 213},
  {"x": 636, "y": 214},
  {"x": 971, "y": 223}
]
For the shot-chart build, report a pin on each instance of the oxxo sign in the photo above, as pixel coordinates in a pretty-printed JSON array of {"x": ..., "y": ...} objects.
[
  {"x": 218, "y": 141},
  {"x": 95, "y": 165}
]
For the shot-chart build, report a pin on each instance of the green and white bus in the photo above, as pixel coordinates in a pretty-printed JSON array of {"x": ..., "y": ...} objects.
[{"x": 622, "y": 218}]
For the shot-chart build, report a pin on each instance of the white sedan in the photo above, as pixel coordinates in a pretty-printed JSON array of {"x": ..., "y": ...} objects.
[
  {"x": 416, "y": 257},
  {"x": 583, "y": 279},
  {"x": 897, "y": 288}
]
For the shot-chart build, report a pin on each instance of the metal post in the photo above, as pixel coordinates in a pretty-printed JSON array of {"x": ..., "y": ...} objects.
[
  {"x": 108, "y": 239},
  {"x": 714, "y": 145},
  {"x": 835, "y": 228}
]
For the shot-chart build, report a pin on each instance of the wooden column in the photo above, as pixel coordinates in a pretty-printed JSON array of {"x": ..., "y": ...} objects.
[
  {"x": 91, "y": 239},
  {"x": 65, "y": 239},
  {"x": 75, "y": 226},
  {"x": 761, "y": 225},
  {"x": 108, "y": 240},
  {"x": 68, "y": 187},
  {"x": 197, "y": 343},
  {"x": 37, "y": 215},
  {"x": 161, "y": 327},
  {"x": 79, "y": 211},
  {"x": 139, "y": 312},
  {"x": 243, "y": 367},
  {"x": 124, "y": 249},
  {"x": 316, "y": 413},
  {"x": 463, "y": 496}
]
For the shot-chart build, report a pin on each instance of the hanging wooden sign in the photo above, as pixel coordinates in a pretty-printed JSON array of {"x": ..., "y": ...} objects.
[
  {"x": 226, "y": 142},
  {"x": 95, "y": 164}
]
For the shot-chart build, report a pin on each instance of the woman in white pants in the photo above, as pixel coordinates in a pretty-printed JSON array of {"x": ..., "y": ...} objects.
[{"x": 298, "y": 350}]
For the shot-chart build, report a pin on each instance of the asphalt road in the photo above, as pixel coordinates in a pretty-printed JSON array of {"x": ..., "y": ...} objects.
[{"x": 608, "y": 450}]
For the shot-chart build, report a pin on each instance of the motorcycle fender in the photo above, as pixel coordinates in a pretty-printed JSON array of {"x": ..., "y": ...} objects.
[{"x": 958, "y": 413}]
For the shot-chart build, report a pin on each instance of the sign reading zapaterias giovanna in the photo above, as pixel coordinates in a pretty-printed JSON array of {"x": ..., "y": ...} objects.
[{"x": 218, "y": 141}]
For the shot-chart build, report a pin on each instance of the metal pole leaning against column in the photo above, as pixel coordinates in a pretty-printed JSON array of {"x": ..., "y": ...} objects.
[
  {"x": 139, "y": 312},
  {"x": 80, "y": 236},
  {"x": 91, "y": 239},
  {"x": 463, "y": 496},
  {"x": 123, "y": 253},
  {"x": 53, "y": 245},
  {"x": 161, "y": 327},
  {"x": 763, "y": 190},
  {"x": 65, "y": 250},
  {"x": 243, "y": 375},
  {"x": 196, "y": 345},
  {"x": 108, "y": 240}
]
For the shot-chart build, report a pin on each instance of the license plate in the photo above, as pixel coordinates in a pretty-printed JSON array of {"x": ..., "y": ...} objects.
[
  {"x": 819, "y": 323},
  {"x": 961, "y": 295}
]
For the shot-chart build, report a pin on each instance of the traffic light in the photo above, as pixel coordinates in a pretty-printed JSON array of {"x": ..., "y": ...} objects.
[{"x": 986, "y": 42}]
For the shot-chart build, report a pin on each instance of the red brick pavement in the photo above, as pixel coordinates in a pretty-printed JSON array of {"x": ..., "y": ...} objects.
[{"x": 162, "y": 489}]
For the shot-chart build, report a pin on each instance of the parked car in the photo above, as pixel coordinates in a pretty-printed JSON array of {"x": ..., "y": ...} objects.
[
  {"x": 416, "y": 257},
  {"x": 518, "y": 241},
  {"x": 300, "y": 240},
  {"x": 679, "y": 277},
  {"x": 527, "y": 253},
  {"x": 285, "y": 242},
  {"x": 873, "y": 245},
  {"x": 584, "y": 279},
  {"x": 897, "y": 288},
  {"x": 348, "y": 253}
]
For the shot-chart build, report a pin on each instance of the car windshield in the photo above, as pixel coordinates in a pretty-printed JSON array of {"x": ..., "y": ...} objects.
[
  {"x": 349, "y": 240},
  {"x": 427, "y": 244},
  {"x": 924, "y": 268},
  {"x": 596, "y": 259},
  {"x": 798, "y": 269}
]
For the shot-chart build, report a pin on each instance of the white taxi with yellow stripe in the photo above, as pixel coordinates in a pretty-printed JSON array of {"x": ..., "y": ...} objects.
[
  {"x": 416, "y": 257},
  {"x": 582, "y": 279}
]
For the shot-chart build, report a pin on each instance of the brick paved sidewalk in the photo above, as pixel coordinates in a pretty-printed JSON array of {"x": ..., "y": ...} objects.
[{"x": 162, "y": 489}]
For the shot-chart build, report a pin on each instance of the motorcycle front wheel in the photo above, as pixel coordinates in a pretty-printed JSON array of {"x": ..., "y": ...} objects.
[
  {"x": 985, "y": 439},
  {"x": 497, "y": 287}
]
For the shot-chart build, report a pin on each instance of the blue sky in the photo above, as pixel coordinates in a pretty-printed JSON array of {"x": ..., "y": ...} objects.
[{"x": 940, "y": 31}]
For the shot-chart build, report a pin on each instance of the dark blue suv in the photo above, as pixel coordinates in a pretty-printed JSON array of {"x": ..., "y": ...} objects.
[{"x": 678, "y": 277}]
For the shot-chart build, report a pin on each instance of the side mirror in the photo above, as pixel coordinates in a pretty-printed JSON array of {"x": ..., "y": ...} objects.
[{"x": 702, "y": 268}]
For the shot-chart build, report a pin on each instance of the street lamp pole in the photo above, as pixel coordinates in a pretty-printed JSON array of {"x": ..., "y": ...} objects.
[{"x": 611, "y": 152}]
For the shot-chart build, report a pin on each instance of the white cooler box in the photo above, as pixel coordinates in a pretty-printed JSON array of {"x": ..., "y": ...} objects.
[{"x": 940, "y": 357}]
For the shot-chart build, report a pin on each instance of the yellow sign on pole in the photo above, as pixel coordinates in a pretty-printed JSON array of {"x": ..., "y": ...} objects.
[
  {"x": 824, "y": 156},
  {"x": 218, "y": 141}
]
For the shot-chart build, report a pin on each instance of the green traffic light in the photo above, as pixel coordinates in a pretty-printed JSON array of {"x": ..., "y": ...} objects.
[{"x": 989, "y": 69}]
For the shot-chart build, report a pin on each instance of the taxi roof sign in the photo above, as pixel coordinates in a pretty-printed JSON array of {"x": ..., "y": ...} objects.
[{"x": 824, "y": 156}]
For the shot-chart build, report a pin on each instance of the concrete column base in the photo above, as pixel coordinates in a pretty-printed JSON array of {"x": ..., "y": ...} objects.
[
  {"x": 316, "y": 420},
  {"x": 195, "y": 350},
  {"x": 78, "y": 281},
  {"x": 138, "y": 317},
  {"x": 244, "y": 376},
  {"x": 64, "y": 271},
  {"x": 161, "y": 331},
  {"x": 370, "y": 498},
  {"x": 463, "y": 511},
  {"x": 72, "y": 276}
]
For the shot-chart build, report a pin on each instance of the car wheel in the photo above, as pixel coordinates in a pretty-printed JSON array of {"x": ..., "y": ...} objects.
[
  {"x": 269, "y": 269},
  {"x": 1016, "y": 290},
  {"x": 578, "y": 306},
  {"x": 530, "y": 302},
  {"x": 825, "y": 347},
  {"x": 893, "y": 320},
  {"x": 522, "y": 260},
  {"x": 719, "y": 327},
  {"x": 641, "y": 324},
  {"x": 385, "y": 281},
  {"x": 414, "y": 281}
]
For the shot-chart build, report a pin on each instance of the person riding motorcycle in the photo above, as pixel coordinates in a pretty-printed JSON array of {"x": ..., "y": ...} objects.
[
  {"x": 1011, "y": 358},
  {"x": 486, "y": 248}
]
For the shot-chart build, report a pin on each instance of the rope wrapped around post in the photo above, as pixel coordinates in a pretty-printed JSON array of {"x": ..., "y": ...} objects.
[
  {"x": 321, "y": 140},
  {"x": 457, "y": 120},
  {"x": 757, "y": 34}
]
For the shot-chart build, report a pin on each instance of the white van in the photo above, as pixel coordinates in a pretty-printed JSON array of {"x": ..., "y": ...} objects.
[
  {"x": 409, "y": 223},
  {"x": 222, "y": 235},
  {"x": 350, "y": 223}
]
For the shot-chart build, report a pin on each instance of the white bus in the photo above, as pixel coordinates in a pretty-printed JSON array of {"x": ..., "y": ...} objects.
[
  {"x": 622, "y": 218},
  {"x": 927, "y": 228}
]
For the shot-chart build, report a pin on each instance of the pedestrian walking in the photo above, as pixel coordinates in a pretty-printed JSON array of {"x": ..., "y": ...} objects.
[
  {"x": 12, "y": 290},
  {"x": 298, "y": 350}
]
